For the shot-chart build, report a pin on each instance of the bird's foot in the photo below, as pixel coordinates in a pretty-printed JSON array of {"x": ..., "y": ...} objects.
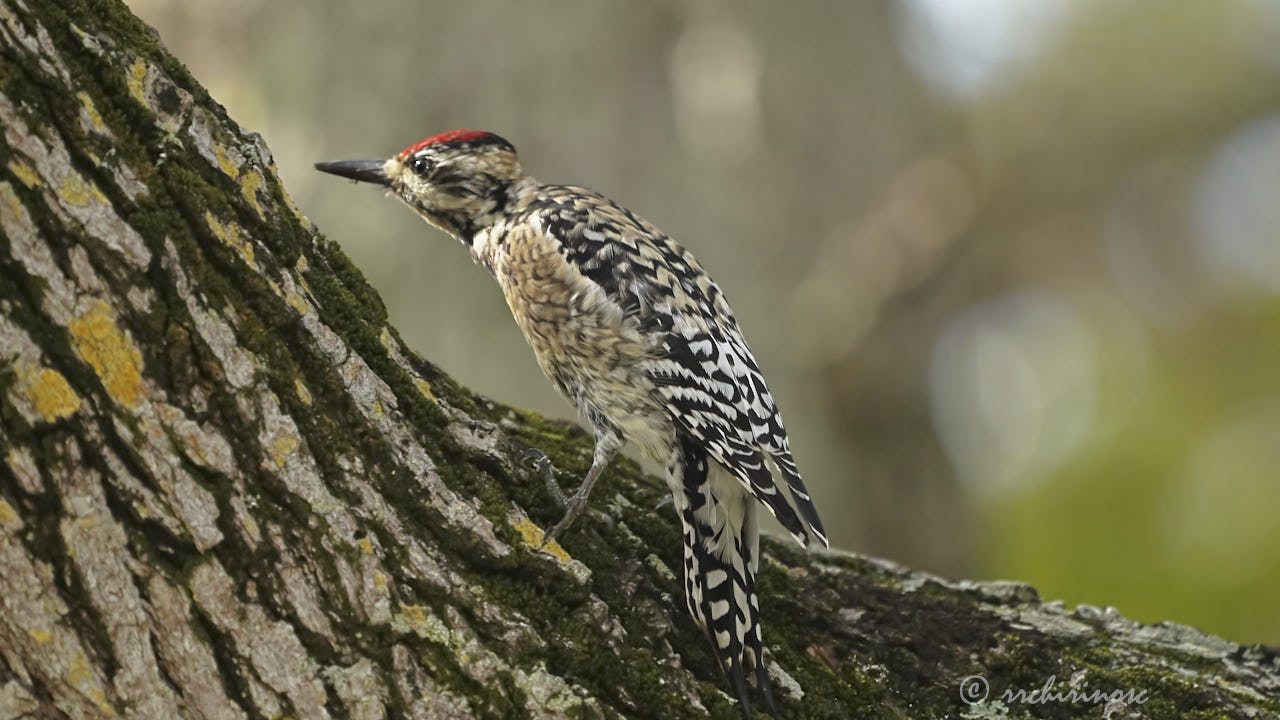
[
  {"x": 542, "y": 464},
  {"x": 575, "y": 505}
]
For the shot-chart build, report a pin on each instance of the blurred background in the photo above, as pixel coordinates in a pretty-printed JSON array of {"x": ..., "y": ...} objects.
[{"x": 1011, "y": 268}]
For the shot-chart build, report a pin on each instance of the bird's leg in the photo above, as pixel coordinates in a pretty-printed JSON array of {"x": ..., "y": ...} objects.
[
  {"x": 606, "y": 447},
  {"x": 542, "y": 464}
]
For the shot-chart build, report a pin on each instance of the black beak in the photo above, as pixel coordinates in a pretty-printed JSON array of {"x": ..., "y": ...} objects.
[{"x": 369, "y": 171}]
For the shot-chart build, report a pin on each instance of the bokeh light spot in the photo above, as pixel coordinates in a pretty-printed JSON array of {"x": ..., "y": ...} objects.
[
  {"x": 1012, "y": 389},
  {"x": 1237, "y": 216},
  {"x": 967, "y": 47}
]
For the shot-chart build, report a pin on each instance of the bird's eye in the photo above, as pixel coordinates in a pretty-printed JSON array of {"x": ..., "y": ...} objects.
[{"x": 421, "y": 166}]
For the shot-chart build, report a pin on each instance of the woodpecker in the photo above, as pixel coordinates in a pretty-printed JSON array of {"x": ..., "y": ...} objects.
[{"x": 633, "y": 332}]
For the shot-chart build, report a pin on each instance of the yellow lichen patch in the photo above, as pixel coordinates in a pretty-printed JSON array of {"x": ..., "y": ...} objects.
[
  {"x": 380, "y": 582},
  {"x": 15, "y": 204},
  {"x": 111, "y": 352},
  {"x": 24, "y": 173},
  {"x": 249, "y": 187},
  {"x": 79, "y": 671},
  {"x": 414, "y": 613},
  {"x": 297, "y": 302},
  {"x": 366, "y": 546},
  {"x": 303, "y": 393},
  {"x": 87, "y": 103},
  {"x": 306, "y": 223},
  {"x": 79, "y": 675},
  {"x": 49, "y": 392},
  {"x": 8, "y": 515},
  {"x": 232, "y": 235},
  {"x": 532, "y": 536},
  {"x": 424, "y": 387},
  {"x": 43, "y": 637},
  {"x": 136, "y": 76},
  {"x": 100, "y": 699},
  {"x": 302, "y": 264},
  {"x": 282, "y": 447},
  {"x": 412, "y": 618},
  {"x": 226, "y": 163},
  {"x": 80, "y": 192}
]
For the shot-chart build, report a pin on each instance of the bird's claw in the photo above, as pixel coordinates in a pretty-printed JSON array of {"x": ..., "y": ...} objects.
[
  {"x": 575, "y": 505},
  {"x": 542, "y": 464}
]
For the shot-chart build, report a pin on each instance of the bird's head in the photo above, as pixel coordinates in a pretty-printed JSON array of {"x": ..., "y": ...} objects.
[{"x": 459, "y": 181}]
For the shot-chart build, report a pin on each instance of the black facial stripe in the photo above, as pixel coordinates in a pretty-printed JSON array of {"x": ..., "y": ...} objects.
[{"x": 444, "y": 176}]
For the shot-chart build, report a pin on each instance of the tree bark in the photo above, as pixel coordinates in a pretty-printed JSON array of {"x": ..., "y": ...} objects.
[{"x": 229, "y": 490}]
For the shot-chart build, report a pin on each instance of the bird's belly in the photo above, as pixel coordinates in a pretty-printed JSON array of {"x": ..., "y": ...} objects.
[
  {"x": 642, "y": 423},
  {"x": 596, "y": 360}
]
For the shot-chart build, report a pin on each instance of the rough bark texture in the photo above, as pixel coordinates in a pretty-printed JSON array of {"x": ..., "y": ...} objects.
[{"x": 230, "y": 491}]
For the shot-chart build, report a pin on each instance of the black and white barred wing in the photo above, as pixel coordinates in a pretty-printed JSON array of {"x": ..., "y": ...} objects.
[{"x": 711, "y": 381}]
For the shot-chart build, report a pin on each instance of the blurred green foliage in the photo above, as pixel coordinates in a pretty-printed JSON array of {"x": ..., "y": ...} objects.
[{"x": 1012, "y": 268}]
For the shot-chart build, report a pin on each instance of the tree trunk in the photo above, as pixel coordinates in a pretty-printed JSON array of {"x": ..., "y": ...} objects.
[{"x": 230, "y": 490}]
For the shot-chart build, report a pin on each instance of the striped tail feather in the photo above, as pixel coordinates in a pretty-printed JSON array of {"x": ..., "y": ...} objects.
[
  {"x": 749, "y": 543},
  {"x": 721, "y": 545},
  {"x": 800, "y": 494}
]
